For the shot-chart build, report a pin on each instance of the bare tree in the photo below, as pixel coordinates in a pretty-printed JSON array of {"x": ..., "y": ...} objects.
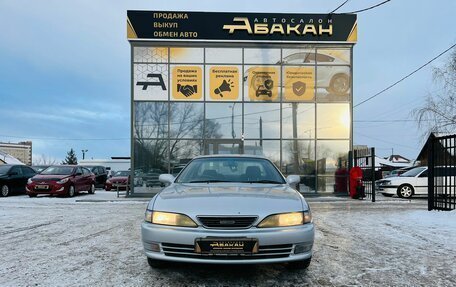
[
  {"x": 44, "y": 160},
  {"x": 438, "y": 114}
]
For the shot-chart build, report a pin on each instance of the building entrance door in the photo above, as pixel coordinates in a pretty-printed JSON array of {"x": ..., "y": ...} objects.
[{"x": 223, "y": 146}]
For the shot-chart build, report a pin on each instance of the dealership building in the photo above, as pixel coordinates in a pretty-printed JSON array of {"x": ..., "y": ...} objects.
[{"x": 277, "y": 85}]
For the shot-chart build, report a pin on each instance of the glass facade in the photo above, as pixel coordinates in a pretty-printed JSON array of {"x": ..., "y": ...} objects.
[{"x": 292, "y": 105}]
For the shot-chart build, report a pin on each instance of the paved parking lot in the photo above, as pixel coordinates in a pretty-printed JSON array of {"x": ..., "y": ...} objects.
[{"x": 93, "y": 241}]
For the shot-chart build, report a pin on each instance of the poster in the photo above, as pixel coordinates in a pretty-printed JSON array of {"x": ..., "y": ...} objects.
[
  {"x": 187, "y": 83},
  {"x": 224, "y": 83}
]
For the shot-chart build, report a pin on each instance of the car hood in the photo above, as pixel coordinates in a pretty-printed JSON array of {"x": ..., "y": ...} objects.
[
  {"x": 396, "y": 179},
  {"x": 228, "y": 199},
  {"x": 119, "y": 178},
  {"x": 50, "y": 177}
]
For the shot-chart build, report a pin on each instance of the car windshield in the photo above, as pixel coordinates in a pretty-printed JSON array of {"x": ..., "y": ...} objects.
[
  {"x": 230, "y": 169},
  {"x": 4, "y": 169},
  {"x": 40, "y": 168},
  {"x": 122, "y": 173},
  {"x": 413, "y": 172},
  {"x": 58, "y": 170}
]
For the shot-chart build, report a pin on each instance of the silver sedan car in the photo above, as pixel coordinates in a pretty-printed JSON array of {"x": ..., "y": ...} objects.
[{"x": 228, "y": 209}]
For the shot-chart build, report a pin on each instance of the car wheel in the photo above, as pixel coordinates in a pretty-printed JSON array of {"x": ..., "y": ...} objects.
[
  {"x": 154, "y": 263},
  {"x": 92, "y": 189},
  {"x": 71, "y": 191},
  {"x": 339, "y": 84},
  {"x": 387, "y": 195},
  {"x": 405, "y": 191},
  {"x": 5, "y": 190},
  {"x": 300, "y": 264}
]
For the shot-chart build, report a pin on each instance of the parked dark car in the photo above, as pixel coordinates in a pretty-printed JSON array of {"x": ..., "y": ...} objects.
[
  {"x": 62, "y": 180},
  {"x": 101, "y": 175},
  {"x": 151, "y": 177},
  {"x": 120, "y": 179},
  {"x": 13, "y": 178},
  {"x": 40, "y": 168}
]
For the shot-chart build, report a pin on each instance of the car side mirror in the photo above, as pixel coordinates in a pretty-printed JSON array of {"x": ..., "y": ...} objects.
[
  {"x": 166, "y": 178},
  {"x": 293, "y": 179}
]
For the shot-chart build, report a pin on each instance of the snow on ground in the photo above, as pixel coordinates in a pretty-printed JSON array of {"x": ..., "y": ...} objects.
[{"x": 94, "y": 240}]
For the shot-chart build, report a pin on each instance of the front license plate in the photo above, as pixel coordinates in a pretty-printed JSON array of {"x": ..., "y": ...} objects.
[
  {"x": 226, "y": 246},
  {"x": 42, "y": 186}
]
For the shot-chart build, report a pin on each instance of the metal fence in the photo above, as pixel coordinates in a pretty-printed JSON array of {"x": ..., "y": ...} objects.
[
  {"x": 365, "y": 159},
  {"x": 442, "y": 173}
]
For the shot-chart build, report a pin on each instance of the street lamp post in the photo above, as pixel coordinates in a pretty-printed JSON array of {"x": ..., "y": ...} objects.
[{"x": 84, "y": 152}]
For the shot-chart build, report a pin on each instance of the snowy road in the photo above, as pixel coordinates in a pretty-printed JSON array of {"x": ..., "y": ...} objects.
[{"x": 59, "y": 241}]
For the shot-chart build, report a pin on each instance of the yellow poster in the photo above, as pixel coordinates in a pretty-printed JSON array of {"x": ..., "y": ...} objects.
[
  {"x": 187, "y": 83},
  {"x": 263, "y": 83},
  {"x": 224, "y": 83},
  {"x": 299, "y": 83}
]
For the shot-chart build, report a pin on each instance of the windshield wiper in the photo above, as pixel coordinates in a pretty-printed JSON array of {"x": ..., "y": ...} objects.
[
  {"x": 207, "y": 181},
  {"x": 264, "y": 181}
]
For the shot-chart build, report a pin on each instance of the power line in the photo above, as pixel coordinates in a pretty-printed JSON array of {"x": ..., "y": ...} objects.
[
  {"x": 339, "y": 7},
  {"x": 369, "y": 8},
  {"x": 66, "y": 139},
  {"x": 402, "y": 79}
]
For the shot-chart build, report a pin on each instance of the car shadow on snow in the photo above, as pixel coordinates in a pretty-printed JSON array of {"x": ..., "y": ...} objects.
[{"x": 213, "y": 274}]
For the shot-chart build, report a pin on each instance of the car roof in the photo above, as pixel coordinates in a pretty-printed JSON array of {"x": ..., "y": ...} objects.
[{"x": 231, "y": 155}]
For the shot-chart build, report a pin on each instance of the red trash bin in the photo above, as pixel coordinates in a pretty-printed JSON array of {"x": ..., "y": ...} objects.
[{"x": 356, "y": 180}]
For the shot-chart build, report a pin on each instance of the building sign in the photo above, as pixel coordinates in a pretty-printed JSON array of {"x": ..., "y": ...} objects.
[
  {"x": 299, "y": 83},
  {"x": 263, "y": 83},
  {"x": 224, "y": 83},
  {"x": 168, "y": 25},
  {"x": 187, "y": 83}
]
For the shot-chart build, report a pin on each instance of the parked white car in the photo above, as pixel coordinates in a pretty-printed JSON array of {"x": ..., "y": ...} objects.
[{"x": 412, "y": 182}]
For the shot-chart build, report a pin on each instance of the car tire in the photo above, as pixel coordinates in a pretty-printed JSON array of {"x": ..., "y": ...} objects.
[
  {"x": 92, "y": 189},
  {"x": 300, "y": 264},
  {"x": 405, "y": 191},
  {"x": 71, "y": 191},
  {"x": 154, "y": 263},
  {"x": 5, "y": 190},
  {"x": 387, "y": 195},
  {"x": 339, "y": 85}
]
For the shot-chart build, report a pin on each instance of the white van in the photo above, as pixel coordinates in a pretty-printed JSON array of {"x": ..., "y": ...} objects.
[{"x": 415, "y": 181}]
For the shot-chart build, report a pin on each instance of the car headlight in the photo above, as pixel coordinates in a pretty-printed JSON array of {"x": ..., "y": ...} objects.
[
  {"x": 168, "y": 218},
  {"x": 62, "y": 181},
  {"x": 286, "y": 219},
  {"x": 29, "y": 181},
  {"x": 386, "y": 182}
]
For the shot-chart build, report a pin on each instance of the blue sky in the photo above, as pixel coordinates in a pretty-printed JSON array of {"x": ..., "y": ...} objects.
[{"x": 64, "y": 68}]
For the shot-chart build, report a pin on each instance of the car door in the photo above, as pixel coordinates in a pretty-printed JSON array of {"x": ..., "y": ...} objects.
[
  {"x": 78, "y": 179},
  {"x": 87, "y": 178},
  {"x": 15, "y": 178},
  {"x": 103, "y": 175},
  {"x": 96, "y": 173},
  {"x": 27, "y": 173},
  {"x": 421, "y": 183}
]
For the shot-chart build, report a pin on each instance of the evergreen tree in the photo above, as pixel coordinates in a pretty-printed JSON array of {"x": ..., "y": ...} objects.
[{"x": 70, "y": 158}]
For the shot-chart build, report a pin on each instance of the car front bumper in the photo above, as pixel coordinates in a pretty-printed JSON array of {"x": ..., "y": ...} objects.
[
  {"x": 388, "y": 189},
  {"x": 53, "y": 188},
  {"x": 275, "y": 244}
]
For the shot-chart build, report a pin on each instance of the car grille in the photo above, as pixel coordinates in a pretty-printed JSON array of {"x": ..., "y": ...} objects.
[
  {"x": 264, "y": 252},
  {"x": 227, "y": 222}
]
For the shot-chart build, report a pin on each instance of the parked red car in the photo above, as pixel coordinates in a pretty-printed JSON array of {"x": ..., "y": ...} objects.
[
  {"x": 62, "y": 180},
  {"x": 121, "y": 180}
]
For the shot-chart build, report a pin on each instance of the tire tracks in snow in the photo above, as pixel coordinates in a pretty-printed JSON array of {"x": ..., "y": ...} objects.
[
  {"x": 27, "y": 228},
  {"x": 89, "y": 236}
]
